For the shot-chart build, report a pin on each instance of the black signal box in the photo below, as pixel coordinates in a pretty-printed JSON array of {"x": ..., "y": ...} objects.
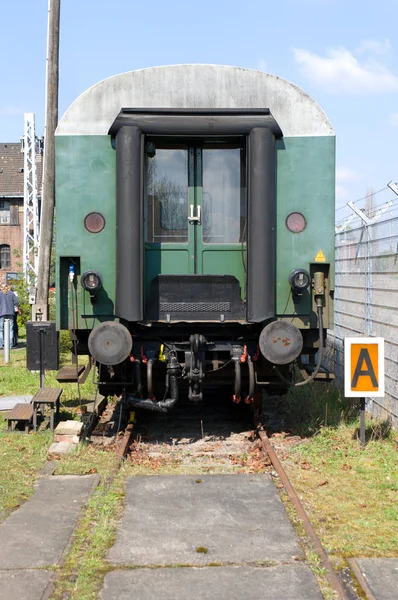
[{"x": 42, "y": 347}]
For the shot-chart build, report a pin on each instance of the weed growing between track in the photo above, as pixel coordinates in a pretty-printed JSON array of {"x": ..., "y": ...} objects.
[{"x": 86, "y": 460}]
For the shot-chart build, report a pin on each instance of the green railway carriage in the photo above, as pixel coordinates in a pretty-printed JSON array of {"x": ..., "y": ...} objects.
[{"x": 195, "y": 231}]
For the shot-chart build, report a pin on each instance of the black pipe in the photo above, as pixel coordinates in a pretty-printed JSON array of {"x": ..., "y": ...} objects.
[
  {"x": 238, "y": 379},
  {"x": 173, "y": 373},
  {"x": 249, "y": 397},
  {"x": 129, "y": 259},
  {"x": 261, "y": 240}
]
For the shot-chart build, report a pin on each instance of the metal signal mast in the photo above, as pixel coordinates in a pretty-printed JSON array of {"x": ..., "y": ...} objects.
[{"x": 31, "y": 203}]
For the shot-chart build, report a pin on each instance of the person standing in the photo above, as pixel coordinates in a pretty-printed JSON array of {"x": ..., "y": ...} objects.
[
  {"x": 16, "y": 313},
  {"x": 8, "y": 303}
]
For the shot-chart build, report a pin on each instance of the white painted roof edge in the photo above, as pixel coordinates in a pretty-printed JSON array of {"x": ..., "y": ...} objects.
[{"x": 192, "y": 86}]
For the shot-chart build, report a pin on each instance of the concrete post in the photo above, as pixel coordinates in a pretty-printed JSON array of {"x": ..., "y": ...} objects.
[{"x": 6, "y": 340}]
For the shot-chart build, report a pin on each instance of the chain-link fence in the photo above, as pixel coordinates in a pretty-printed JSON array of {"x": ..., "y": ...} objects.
[{"x": 366, "y": 301}]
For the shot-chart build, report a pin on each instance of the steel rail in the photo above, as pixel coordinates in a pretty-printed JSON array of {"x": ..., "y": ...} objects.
[
  {"x": 352, "y": 563},
  {"x": 126, "y": 441},
  {"x": 332, "y": 577}
]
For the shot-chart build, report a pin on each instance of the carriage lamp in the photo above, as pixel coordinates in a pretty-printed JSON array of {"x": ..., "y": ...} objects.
[
  {"x": 94, "y": 222},
  {"x": 91, "y": 282},
  {"x": 295, "y": 222},
  {"x": 299, "y": 280}
]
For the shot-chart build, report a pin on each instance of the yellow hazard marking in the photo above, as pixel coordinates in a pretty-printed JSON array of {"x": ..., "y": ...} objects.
[{"x": 320, "y": 257}]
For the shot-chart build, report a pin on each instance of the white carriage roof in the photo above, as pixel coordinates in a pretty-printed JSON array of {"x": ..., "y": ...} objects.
[{"x": 195, "y": 86}]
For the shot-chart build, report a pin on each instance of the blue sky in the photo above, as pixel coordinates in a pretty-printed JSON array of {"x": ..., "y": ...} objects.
[{"x": 342, "y": 52}]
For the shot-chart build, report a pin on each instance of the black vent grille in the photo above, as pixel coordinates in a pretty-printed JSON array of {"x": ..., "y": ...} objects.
[
  {"x": 171, "y": 307},
  {"x": 194, "y": 298}
]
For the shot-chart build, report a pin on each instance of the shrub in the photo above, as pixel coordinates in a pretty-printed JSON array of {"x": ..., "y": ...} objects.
[{"x": 20, "y": 287}]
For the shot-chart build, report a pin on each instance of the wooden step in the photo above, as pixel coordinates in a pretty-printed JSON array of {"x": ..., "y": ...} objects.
[
  {"x": 47, "y": 396},
  {"x": 70, "y": 373},
  {"x": 22, "y": 413}
]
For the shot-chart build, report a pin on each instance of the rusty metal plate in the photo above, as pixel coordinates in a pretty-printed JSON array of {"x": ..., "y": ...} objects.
[{"x": 281, "y": 342}]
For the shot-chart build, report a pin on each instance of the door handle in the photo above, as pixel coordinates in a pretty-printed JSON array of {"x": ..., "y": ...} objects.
[{"x": 191, "y": 217}]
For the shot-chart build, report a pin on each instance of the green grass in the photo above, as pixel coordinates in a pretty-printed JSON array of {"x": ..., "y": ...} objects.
[
  {"x": 308, "y": 408},
  {"x": 15, "y": 379},
  {"x": 350, "y": 493},
  {"x": 81, "y": 577},
  {"x": 21, "y": 457},
  {"x": 85, "y": 460}
]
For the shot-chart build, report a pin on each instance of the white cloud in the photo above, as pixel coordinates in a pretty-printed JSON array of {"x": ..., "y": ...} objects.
[
  {"x": 344, "y": 174},
  {"x": 374, "y": 46},
  {"x": 394, "y": 119},
  {"x": 342, "y": 71}
]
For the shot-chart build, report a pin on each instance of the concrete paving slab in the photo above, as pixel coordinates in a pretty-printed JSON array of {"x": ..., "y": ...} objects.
[
  {"x": 236, "y": 518},
  {"x": 381, "y": 575},
  {"x": 37, "y": 534},
  {"x": 209, "y": 583},
  {"x": 69, "y": 428},
  {"x": 8, "y": 402},
  {"x": 23, "y": 585},
  {"x": 61, "y": 447}
]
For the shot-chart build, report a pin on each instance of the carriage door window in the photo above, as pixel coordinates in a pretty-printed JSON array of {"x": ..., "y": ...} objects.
[
  {"x": 167, "y": 193},
  {"x": 223, "y": 194}
]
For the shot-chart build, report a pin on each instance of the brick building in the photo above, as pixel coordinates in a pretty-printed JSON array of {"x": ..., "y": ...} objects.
[{"x": 12, "y": 208}]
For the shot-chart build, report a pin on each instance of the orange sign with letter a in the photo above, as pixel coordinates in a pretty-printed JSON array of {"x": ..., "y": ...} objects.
[{"x": 364, "y": 367}]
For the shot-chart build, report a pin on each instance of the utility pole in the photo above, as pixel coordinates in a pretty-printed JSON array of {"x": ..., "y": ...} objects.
[{"x": 40, "y": 310}]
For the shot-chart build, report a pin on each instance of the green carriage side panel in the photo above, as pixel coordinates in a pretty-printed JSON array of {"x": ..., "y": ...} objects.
[
  {"x": 306, "y": 184},
  {"x": 85, "y": 182}
]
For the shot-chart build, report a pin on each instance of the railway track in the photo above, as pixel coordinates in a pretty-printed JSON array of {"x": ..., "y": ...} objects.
[{"x": 205, "y": 438}]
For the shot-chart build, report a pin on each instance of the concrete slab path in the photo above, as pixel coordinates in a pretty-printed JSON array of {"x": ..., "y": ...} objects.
[
  {"x": 8, "y": 402},
  {"x": 291, "y": 582},
  {"x": 23, "y": 585},
  {"x": 233, "y": 526},
  {"x": 36, "y": 535},
  {"x": 381, "y": 576},
  {"x": 236, "y": 518}
]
